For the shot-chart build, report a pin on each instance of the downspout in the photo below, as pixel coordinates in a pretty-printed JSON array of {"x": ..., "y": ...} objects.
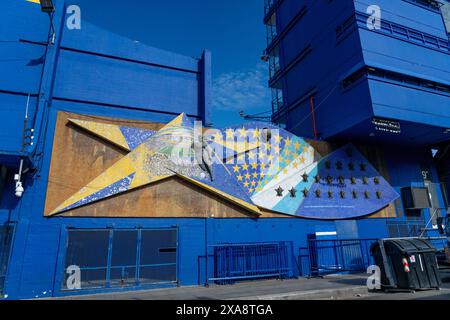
[
  {"x": 46, "y": 89},
  {"x": 205, "y": 84}
]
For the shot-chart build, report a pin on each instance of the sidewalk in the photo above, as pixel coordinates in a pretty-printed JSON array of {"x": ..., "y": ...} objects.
[
  {"x": 329, "y": 287},
  {"x": 333, "y": 287}
]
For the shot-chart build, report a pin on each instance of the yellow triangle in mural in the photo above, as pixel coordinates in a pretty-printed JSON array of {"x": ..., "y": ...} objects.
[
  {"x": 134, "y": 168},
  {"x": 109, "y": 132}
]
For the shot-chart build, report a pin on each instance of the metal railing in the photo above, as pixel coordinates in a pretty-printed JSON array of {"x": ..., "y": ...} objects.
[
  {"x": 272, "y": 33},
  {"x": 407, "y": 228},
  {"x": 277, "y": 100},
  {"x": 322, "y": 257},
  {"x": 124, "y": 276},
  {"x": 228, "y": 263},
  {"x": 274, "y": 65}
]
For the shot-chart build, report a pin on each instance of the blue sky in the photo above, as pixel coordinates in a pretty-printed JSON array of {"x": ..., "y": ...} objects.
[{"x": 232, "y": 29}]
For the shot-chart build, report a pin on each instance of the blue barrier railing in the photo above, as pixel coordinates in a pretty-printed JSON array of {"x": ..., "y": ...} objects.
[
  {"x": 228, "y": 263},
  {"x": 322, "y": 257},
  {"x": 407, "y": 228}
]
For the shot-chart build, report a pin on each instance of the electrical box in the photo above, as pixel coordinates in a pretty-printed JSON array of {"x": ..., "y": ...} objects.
[{"x": 416, "y": 198}]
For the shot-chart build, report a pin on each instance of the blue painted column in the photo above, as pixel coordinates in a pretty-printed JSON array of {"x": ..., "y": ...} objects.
[{"x": 205, "y": 86}]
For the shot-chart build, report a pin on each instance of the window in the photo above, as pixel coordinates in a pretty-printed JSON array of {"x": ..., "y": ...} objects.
[
  {"x": 277, "y": 99},
  {"x": 89, "y": 251},
  {"x": 271, "y": 27},
  {"x": 445, "y": 10},
  {"x": 158, "y": 256},
  {"x": 342, "y": 29},
  {"x": 354, "y": 78},
  {"x": 269, "y": 5},
  {"x": 394, "y": 77},
  {"x": 407, "y": 34},
  {"x": 6, "y": 234},
  {"x": 429, "y": 4},
  {"x": 119, "y": 258},
  {"x": 124, "y": 258},
  {"x": 274, "y": 62}
]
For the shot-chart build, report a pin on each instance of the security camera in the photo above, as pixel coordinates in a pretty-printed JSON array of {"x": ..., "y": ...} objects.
[{"x": 19, "y": 189}]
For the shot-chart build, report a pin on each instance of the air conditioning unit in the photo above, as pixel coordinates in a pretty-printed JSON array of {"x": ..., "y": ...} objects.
[{"x": 416, "y": 198}]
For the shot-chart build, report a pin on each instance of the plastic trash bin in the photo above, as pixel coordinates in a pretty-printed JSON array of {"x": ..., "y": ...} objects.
[{"x": 407, "y": 264}]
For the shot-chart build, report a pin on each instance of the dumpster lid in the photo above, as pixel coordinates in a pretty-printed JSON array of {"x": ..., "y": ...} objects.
[{"x": 412, "y": 245}]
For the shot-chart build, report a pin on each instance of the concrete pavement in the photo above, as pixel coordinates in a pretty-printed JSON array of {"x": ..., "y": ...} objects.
[
  {"x": 333, "y": 287},
  {"x": 315, "y": 288}
]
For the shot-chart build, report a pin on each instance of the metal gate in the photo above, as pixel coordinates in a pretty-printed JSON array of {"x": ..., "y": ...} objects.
[
  {"x": 228, "y": 263},
  {"x": 333, "y": 256},
  {"x": 122, "y": 258}
]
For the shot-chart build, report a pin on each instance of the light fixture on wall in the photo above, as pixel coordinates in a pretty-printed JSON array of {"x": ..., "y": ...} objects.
[
  {"x": 265, "y": 57},
  {"x": 19, "y": 189},
  {"x": 17, "y": 178}
]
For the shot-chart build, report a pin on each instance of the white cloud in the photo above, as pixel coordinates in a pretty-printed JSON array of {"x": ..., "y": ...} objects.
[{"x": 247, "y": 90}]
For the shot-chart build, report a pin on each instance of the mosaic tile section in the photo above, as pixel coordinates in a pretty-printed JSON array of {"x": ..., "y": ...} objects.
[{"x": 259, "y": 166}]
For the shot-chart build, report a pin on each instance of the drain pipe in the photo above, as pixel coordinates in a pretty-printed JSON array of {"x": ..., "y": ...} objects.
[{"x": 313, "y": 114}]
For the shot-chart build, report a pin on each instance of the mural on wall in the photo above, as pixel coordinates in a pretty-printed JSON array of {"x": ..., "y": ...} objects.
[{"x": 255, "y": 165}]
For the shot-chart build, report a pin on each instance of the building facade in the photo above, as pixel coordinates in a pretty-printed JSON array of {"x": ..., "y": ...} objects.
[
  {"x": 84, "y": 210},
  {"x": 373, "y": 73},
  {"x": 73, "y": 66}
]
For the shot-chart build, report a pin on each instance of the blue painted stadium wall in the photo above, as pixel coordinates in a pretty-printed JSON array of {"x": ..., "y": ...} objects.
[
  {"x": 91, "y": 66},
  {"x": 90, "y": 71},
  {"x": 95, "y": 73},
  {"x": 338, "y": 43},
  {"x": 36, "y": 264}
]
